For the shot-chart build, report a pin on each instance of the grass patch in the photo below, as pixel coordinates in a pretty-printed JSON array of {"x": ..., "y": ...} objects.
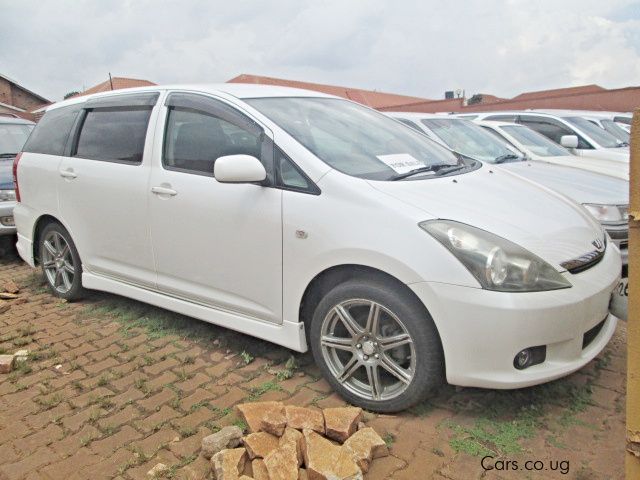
[
  {"x": 258, "y": 391},
  {"x": 247, "y": 358},
  {"x": 504, "y": 419},
  {"x": 389, "y": 438}
]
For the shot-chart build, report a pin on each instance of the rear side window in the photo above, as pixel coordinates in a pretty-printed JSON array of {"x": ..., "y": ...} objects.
[
  {"x": 115, "y": 134},
  {"x": 52, "y": 131}
]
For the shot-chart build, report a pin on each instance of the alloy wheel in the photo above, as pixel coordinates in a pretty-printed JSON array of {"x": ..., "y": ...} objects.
[
  {"x": 57, "y": 262},
  {"x": 368, "y": 349}
]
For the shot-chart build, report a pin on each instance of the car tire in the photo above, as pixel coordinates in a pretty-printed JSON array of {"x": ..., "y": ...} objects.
[
  {"x": 337, "y": 348},
  {"x": 60, "y": 262}
]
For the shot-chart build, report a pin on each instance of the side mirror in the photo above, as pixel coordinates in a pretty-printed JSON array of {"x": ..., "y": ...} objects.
[
  {"x": 239, "y": 169},
  {"x": 569, "y": 141}
]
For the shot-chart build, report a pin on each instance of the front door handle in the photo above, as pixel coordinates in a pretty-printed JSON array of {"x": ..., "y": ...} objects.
[
  {"x": 68, "y": 173},
  {"x": 164, "y": 191}
]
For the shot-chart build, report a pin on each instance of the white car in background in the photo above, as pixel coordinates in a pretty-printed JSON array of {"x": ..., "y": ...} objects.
[
  {"x": 538, "y": 147},
  {"x": 314, "y": 222},
  {"x": 571, "y": 131},
  {"x": 609, "y": 121},
  {"x": 605, "y": 197}
]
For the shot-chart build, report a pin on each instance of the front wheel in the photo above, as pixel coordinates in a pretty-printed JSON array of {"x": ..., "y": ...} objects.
[
  {"x": 60, "y": 262},
  {"x": 377, "y": 345}
]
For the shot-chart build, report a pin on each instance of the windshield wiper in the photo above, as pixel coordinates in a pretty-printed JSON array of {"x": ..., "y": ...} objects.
[
  {"x": 622, "y": 144},
  {"x": 505, "y": 157},
  {"x": 7, "y": 155},
  {"x": 451, "y": 169},
  {"x": 431, "y": 168}
]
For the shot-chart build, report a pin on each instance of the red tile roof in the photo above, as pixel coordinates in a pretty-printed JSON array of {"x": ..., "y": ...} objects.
[
  {"x": 370, "y": 98},
  {"x": 559, "y": 92}
]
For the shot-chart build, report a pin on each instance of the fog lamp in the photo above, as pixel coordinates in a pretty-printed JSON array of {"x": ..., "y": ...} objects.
[{"x": 529, "y": 357}]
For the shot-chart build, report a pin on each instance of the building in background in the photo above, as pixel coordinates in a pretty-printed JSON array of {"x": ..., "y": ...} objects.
[
  {"x": 16, "y": 100},
  {"x": 587, "y": 97}
]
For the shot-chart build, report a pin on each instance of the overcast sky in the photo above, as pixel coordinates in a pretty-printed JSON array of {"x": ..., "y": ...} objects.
[{"x": 421, "y": 48}]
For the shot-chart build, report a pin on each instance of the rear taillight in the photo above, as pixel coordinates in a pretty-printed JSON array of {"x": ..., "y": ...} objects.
[{"x": 15, "y": 175}]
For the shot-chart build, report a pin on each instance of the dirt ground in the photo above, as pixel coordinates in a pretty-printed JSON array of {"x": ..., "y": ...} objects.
[{"x": 113, "y": 386}]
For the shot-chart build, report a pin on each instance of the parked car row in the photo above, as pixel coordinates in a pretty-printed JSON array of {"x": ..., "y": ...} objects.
[
  {"x": 13, "y": 133},
  {"x": 314, "y": 222}
]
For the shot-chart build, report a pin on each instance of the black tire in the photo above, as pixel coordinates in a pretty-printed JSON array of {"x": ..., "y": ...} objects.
[
  {"x": 75, "y": 291},
  {"x": 429, "y": 363}
]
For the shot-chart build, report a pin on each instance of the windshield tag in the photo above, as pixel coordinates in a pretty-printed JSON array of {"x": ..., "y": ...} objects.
[{"x": 401, "y": 162}]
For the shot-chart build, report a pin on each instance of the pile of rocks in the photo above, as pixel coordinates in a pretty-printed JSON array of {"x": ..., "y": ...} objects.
[
  {"x": 291, "y": 443},
  {"x": 7, "y": 362}
]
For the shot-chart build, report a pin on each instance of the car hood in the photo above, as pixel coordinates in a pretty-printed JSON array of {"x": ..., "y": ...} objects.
[
  {"x": 617, "y": 154},
  {"x": 580, "y": 185},
  {"x": 534, "y": 217}
]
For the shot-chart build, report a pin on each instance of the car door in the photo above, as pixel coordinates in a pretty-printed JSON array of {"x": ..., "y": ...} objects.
[
  {"x": 103, "y": 183},
  {"x": 215, "y": 244}
]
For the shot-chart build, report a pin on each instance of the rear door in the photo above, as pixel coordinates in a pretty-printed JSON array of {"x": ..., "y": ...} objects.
[
  {"x": 102, "y": 186},
  {"x": 215, "y": 244}
]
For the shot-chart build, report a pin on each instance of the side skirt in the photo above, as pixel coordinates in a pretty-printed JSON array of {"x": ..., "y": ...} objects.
[{"x": 288, "y": 334}]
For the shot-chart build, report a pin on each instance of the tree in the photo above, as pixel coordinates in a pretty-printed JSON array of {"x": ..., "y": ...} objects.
[
  {"x": 70, "y": 94},
  {"x": 476, "y": 98}
]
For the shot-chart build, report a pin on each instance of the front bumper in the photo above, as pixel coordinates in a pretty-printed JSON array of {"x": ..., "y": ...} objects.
[
  {"x": 7, "y": 225},
  {"x": 482, "y": 331}
]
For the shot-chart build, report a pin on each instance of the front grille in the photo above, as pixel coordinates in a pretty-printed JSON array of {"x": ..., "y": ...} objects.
[
  {"x": 591, "y": 334},
  {"x": 618, "y": 234},
  {"x": 584, "y": 262}
]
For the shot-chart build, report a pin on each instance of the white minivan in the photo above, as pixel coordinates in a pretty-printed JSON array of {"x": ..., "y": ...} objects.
[{"x": 312, "y": 221}]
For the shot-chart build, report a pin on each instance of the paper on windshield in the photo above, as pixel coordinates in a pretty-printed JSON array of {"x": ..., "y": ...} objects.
[{"x": 401, "y": 162}]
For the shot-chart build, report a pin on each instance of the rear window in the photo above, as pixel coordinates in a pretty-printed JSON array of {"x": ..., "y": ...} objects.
[
  {"x": 12, "y": 137},
  {"x": 52, "y": 131},
  {"x": 114, "y": 134}
]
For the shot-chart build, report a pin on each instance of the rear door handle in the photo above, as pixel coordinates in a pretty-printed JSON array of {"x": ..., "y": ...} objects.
[
  {"x": 69, "y": 173},
  {"x": 164, "y": 191}
]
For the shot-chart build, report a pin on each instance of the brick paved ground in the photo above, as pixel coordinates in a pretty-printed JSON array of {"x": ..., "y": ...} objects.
[{"x": 113, "y": 387}]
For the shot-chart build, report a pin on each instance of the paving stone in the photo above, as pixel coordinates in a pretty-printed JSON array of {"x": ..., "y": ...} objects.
[
  {"x": 253, "y": 413},
  {"x": 124, "y": 437},
  {"x": 226, "y": 438},
  {"x": 163, "y": 415},
  {"x": 229, "y": 464},
  {"x": 364, "y": 446},
  {"x": 282, "y": 463},
  {"x": 341, "y": 423},
  {"x": 260, "y": 444},
  {"x": 325, "y": 460},
  {"x": 158, "y": 440}
]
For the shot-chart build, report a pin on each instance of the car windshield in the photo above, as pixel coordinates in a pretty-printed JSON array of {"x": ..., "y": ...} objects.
[
  {"x": 599, "y": 135},
  {"x": 536, "y": 143},
  {"x": 12, "y": 137},
  {"x": 616, "y": 130},
  {"x": 354, "y": 139},
  {"x": 471, "y": 140}
]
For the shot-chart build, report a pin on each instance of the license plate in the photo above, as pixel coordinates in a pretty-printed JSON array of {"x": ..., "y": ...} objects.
[{"x": 620, "y": 299}]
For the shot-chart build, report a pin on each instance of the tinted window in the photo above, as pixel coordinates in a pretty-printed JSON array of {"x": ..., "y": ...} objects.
[
  {"x": 538, "y": 144},
  {"x": 13, "y": 136},
  {"x": 194, "y": 140},
  {"x": 52, "y": 131},
  {"x": 114, "y": 134},
  {"x": 551, "y": 129},
  {"x": 599, "y": 135}
]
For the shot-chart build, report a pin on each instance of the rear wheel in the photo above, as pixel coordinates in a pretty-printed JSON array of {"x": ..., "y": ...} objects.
[
  {"x": 376, "y": 345},
  {"x": 60, "y": 262}
]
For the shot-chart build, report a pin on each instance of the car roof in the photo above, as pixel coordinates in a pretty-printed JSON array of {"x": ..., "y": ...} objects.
[
  {"x": 238, "y": 90},
  {"x": 18, "y": 121},
  {"x": 497, "y": 123},
  {"x": 415, "y": 115}
]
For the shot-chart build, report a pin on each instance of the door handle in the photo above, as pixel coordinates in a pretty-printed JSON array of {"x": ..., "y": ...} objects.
[
  {"x": 68, "y": 173},
  {"x": 164, "y": 191}
]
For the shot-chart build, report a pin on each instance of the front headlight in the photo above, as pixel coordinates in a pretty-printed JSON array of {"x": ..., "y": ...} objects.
[
  {"x": 608, "y": 213},
  {"x": 497, "y": 264},
  {"x": 7, "y": 195}
]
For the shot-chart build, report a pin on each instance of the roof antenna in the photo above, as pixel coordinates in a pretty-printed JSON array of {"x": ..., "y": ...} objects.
[{"x": 110, "y": 81}]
